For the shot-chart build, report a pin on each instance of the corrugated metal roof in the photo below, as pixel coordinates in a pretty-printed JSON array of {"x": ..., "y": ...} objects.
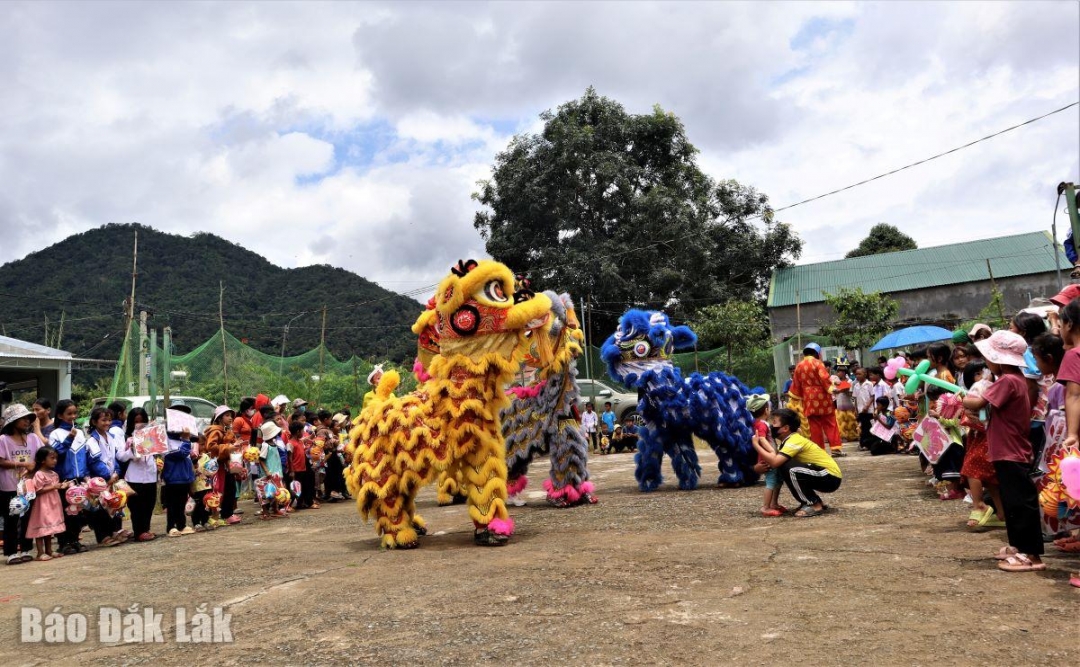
[
  {"x": 15, "y": 347},
  {"x": 1017, "y": 255}
]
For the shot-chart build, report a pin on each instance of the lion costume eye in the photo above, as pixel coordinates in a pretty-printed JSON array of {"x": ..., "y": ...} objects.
[
  {"x": 641, "y": 349},
  {"x": 493, "y": 291}
]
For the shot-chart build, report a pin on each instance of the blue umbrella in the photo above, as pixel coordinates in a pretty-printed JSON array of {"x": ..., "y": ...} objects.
[{"x": 912, "y": 336}]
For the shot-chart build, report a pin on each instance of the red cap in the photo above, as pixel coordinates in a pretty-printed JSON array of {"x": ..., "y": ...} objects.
[{"x": 1066, "y": 295}]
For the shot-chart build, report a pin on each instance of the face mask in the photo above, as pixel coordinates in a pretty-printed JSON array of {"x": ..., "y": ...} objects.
[
  {"x": 775, "y": 432},
  {"x": 249, "y": 413}
]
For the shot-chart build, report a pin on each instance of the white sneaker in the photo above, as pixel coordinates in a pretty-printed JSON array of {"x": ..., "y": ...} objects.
[
  {"x": 188, "y": 530},
  {"x": 515, "y": 500},
  {"x": 174, "y": 533}
]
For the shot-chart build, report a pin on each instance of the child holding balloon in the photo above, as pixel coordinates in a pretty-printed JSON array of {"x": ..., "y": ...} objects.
[{"x": 1010, "y": 450}]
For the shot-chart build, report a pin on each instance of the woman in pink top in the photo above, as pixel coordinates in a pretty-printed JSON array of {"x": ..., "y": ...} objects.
[{"x": 18, "y": 444}]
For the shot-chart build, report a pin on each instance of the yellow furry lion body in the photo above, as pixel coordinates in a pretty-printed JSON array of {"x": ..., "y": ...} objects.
[{"x": 451, "y": 422}]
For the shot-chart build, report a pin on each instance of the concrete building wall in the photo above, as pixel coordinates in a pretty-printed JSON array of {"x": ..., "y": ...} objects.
[{"x": 945, "y": 303}]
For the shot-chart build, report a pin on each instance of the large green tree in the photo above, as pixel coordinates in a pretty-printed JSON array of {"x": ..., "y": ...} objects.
[
  {"x": 883, "y": 238},
  {"x": 613, "y": 207},
  {"x": 861, "y": 318}
]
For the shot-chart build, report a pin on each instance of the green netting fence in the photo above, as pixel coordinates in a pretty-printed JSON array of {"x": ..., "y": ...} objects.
[
  {"x": 224, "y": 369},
  {"x": 223, "y": 372},
  {"x": 753, "y": 367}
]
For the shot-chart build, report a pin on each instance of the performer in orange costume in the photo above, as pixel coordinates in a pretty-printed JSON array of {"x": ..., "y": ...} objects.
[{"x": 811, "y": 382}]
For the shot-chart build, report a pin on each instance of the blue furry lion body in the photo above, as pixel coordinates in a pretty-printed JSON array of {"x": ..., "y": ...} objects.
[{"x": 674, "y": 408}]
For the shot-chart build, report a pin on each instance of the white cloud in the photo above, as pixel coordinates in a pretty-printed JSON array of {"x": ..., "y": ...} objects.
[{"x": 430, "y": 127}]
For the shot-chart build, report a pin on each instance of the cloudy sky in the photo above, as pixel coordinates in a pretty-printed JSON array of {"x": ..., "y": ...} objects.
[{"x": 353, "y": 134}]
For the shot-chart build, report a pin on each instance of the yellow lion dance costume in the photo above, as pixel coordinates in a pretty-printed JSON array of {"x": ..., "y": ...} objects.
[{"x": 451, "y": 422}]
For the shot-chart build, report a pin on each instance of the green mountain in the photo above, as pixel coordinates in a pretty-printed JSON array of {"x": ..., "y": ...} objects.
[{"x": 87, "y": 278}]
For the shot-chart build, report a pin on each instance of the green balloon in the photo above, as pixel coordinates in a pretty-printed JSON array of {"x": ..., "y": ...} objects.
[
  {"x": 919, "y": 376},
  {"x": 947, "y": 386},
  {"x": 916, "y": 377}
]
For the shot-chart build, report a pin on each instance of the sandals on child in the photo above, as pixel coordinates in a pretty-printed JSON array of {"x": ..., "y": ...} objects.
[
  {"x": 1006, "y": 552},
  {"x": 986, "y": 519},
  {"x": 1020, "y": 563}
]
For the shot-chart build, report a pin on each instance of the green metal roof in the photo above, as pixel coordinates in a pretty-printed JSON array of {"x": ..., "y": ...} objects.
[{"x": 1017, "y": 255}]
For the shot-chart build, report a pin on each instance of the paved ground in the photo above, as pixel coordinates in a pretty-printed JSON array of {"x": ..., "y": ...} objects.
[{"x": 890, "y": 576}]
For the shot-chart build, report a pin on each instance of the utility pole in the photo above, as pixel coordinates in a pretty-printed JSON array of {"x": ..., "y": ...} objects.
[
  {"x": 224, "y": 350},
  {"x": 151, "y": 375},
  {"x": 134, "y": 272},
  {"x": 60, "y": 334},
  {"x": 322, "y": 355},
  {"x": 166, "y": 366},
  {"x": 1074, "y": 215},
  {"x": 144, "y": 355},
  {"x": 284, "y": 335},
  {"x": 1053, "y": 237},
  {"x": 588, "y": 352},
  {"x": 125, "y": 350}
]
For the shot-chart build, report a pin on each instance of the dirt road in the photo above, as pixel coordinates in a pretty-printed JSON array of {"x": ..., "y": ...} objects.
[{"x": 891, "y": 576}]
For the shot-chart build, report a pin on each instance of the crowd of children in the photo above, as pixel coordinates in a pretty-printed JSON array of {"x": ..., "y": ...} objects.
[
  {"x": 992, "y": 432},
  {"x": 997, "y": 438},
  {"x": 57, "y": 479}
]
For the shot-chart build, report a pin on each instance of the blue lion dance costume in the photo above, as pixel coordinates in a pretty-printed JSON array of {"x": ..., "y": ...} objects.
[{"x": 712, "y": 407}]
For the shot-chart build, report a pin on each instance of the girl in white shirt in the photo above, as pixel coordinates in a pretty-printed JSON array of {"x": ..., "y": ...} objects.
[{"x": 141, "y": 475}]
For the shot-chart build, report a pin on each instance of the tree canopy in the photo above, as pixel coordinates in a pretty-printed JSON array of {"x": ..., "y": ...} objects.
[
  {"x": 883, "y": 238},
  {"x": 735, "y": 325},
  {"x": 861, "y": 318},
  {"x": 613, "y": 207}
]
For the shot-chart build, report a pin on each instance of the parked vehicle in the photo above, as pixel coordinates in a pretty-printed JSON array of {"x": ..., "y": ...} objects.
[
  {"x": 593, "y": 391},
  {"x": 201, "y": 409}
]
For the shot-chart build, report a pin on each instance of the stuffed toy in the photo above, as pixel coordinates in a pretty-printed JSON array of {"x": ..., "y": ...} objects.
[
  {"x": 451, "y": 422},
  {"x": 75, "y": 495},
  {"x": 212, "y": 500},
  {"x": 711, "y": 407},
  {"x": 18, "y": 506},
  {"x": 95, "y": 486}
]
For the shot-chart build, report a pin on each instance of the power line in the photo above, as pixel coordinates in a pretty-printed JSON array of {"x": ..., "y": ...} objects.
[
  {"x": 932, "y": 157},
  {"x": 836, "y": 191}
]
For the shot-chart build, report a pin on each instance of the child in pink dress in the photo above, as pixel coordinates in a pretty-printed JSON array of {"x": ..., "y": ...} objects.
[{"x": 46, "y": 515}]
